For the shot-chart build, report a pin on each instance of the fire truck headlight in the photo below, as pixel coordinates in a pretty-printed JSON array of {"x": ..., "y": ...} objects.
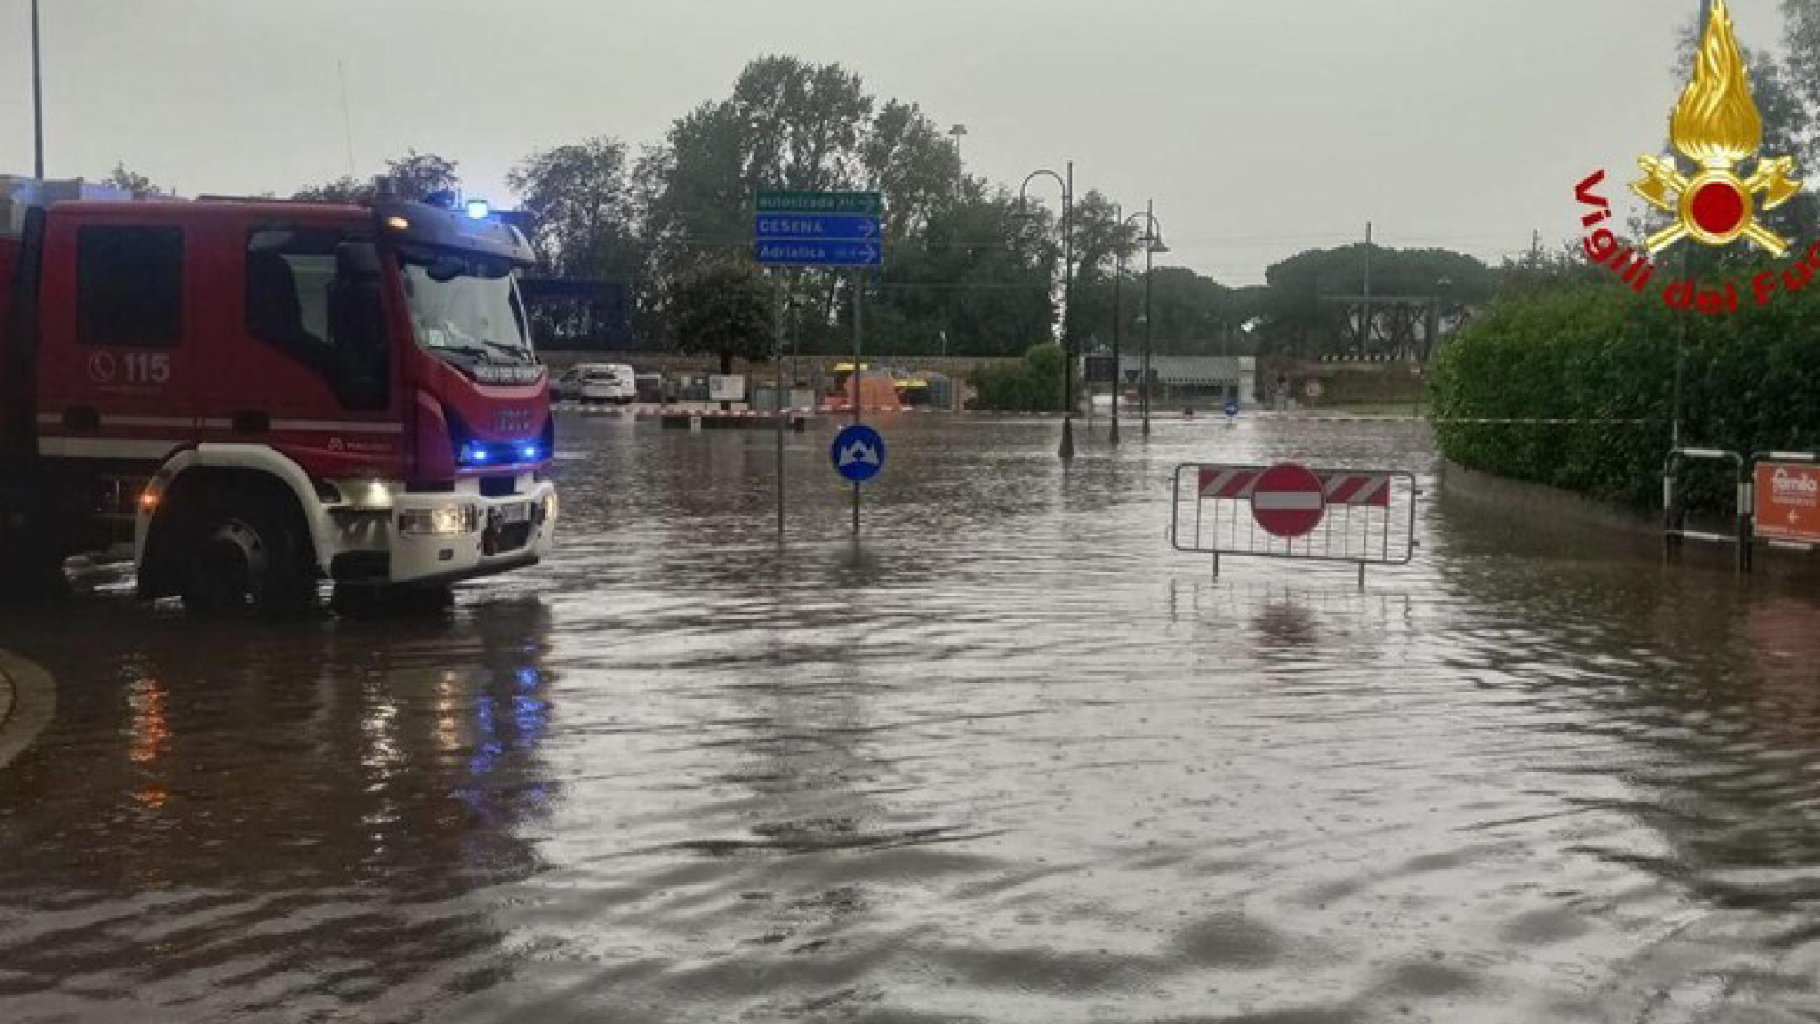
[{"x": 439, "y": 522}]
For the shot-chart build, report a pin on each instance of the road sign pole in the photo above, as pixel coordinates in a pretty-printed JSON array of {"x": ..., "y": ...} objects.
[
  {"x": 783, "y": 306},
  {"x": 859, "y": 306}
]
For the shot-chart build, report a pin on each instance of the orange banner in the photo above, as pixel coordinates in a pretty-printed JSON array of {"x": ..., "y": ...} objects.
[{"x": 1788, "y": 502}]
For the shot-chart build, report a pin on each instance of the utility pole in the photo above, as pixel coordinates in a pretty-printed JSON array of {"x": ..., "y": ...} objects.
[
  {"x": 783, "y": 313},
  {"x": 1067, "y": 448},
  {"x": 859, "y": 306},
  {"x": 37, "y": 101},
  {"x": 1365, "y": 326}
]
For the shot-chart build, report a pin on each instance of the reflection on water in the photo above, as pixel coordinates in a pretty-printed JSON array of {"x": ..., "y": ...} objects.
[
  {"x": 1013, "y": 759},
  {"x": 268, "y": 820}
]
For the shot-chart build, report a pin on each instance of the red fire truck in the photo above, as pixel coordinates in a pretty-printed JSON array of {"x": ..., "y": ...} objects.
[{"x": 256, "y": 396}]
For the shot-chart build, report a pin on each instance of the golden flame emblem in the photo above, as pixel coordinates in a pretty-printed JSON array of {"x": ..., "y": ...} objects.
[{"x": 1716, "y": 124}]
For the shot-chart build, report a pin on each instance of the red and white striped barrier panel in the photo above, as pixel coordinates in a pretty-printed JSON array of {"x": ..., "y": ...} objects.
[
  {"x": 1337, "y": 487},
  {"x": 1357, "y": 516}
]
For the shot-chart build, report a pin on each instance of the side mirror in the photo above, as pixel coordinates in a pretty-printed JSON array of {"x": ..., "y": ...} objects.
[{"x": 446, "y": 268}]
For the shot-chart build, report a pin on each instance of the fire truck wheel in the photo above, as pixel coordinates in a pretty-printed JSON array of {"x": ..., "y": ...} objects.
[{"x": 247, "y": 547}]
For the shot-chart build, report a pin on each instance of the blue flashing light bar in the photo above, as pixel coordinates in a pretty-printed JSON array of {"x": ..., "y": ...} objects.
[{"x": 479, "y": 209}]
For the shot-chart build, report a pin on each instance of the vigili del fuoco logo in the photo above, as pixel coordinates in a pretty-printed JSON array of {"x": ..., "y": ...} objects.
[{"x": 1717, "y": 126}]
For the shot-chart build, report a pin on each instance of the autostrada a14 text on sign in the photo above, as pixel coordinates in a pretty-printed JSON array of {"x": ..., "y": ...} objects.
[{"x": 1606, "y": 249}]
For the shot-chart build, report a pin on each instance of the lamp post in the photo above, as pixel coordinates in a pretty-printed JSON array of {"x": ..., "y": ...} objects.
[
  {"x": 1153, "y": 244},
  {"x": 1066, "y": 450},
  {"x": 1118, "y": 325},
  {"x": 37, "y": 102}
]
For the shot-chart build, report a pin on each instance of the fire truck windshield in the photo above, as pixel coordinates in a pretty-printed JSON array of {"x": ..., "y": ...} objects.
[{"x": 468, "y": 312}]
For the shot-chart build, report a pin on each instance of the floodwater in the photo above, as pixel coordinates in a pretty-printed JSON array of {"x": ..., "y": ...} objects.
[{"x": 1013, "y": 759}]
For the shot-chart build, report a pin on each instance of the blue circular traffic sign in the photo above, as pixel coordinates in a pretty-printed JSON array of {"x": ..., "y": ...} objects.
[
  {"x": 1232, "y": 408},
  {"x": 858, "y": 452}
]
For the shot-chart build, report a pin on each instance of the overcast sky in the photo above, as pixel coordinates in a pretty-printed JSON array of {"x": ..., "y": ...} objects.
[{"x": 1261, "y": 127}]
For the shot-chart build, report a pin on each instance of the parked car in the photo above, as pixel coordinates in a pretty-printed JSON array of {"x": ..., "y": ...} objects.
[
  {"x": 567, "y": 387},
  {"x": 597, "y": 382}
]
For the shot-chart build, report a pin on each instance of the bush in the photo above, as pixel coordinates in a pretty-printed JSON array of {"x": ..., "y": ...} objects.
[
  {"x": 1596, "y": 352},
  {"x": 1035, "y": 385}
]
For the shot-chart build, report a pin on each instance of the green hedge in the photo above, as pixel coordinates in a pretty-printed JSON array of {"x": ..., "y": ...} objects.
[
  {"x": 1604, "y": 353},
  {"x": 1034, "y": 385}
]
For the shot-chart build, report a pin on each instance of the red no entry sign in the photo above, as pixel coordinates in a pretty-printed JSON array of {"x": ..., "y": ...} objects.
[{"x": 1288, "y": 500}]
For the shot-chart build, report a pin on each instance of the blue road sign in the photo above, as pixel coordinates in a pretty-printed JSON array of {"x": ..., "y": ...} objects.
[
  {"x": 816, "y": 227},
  {"x": 858, "y": 452},
  {"x": 1232, "y": 407},
  {"x": 820, "y": 254}
]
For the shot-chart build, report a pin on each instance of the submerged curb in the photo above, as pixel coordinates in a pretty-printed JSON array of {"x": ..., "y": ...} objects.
[{"x": 27, "y": 702}]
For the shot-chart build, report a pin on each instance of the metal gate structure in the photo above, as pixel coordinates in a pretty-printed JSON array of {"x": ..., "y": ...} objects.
[
  {"x": 1368, "y": 516},
  {"x": 1675, "y": 531}
]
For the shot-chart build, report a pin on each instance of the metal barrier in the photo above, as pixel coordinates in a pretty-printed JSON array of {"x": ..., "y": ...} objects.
[
  {"x": 1362, "y": 517},
  {"x": 1674, "y": 509}
]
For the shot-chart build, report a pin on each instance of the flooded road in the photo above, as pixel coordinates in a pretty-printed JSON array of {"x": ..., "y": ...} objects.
[{"x": 1012, "y": 760}]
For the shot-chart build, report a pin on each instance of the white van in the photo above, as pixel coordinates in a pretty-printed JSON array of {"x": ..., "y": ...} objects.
[{"x": 598, "y": 382}]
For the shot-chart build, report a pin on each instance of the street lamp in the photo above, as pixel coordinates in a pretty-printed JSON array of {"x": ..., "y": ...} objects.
[
  {"x": 1066, "y": 450},
  {"x": 1153, "y": 244},
  {"x": 1118, "y": 309}
]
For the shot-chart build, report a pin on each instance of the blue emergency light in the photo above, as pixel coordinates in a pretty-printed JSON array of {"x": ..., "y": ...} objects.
[{"x": 479, "y": 209}]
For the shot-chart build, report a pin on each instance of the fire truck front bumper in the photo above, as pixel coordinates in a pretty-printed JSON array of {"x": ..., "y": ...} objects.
[{"x": 443, "y": 537}]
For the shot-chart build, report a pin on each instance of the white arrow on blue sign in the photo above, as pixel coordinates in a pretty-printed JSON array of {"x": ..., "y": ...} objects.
[
  {"x": 820, "y": 254},
  {"x": 858, "y": 452}
]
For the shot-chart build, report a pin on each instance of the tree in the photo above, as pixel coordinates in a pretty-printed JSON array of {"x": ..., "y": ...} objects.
[
  {"x": 970, "y": 281},
  {"x": 341, "y": 190},
  {"x": 581, "y": 206},
  {"x": 1100, "y": 241},
  {"x": 1308, "y": 311},
  {"x": 133, "y": 183},
  {"x": 787, "y": 125},
  {"x": 583, "y": 227},
  {"x": 1193, "y": 314},
  {"x": 416, "y": 175},
  {"x": 905, "y": 156},
  {"x": 726, "y": 309},
  {"x": 1804, "y": 51}
]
